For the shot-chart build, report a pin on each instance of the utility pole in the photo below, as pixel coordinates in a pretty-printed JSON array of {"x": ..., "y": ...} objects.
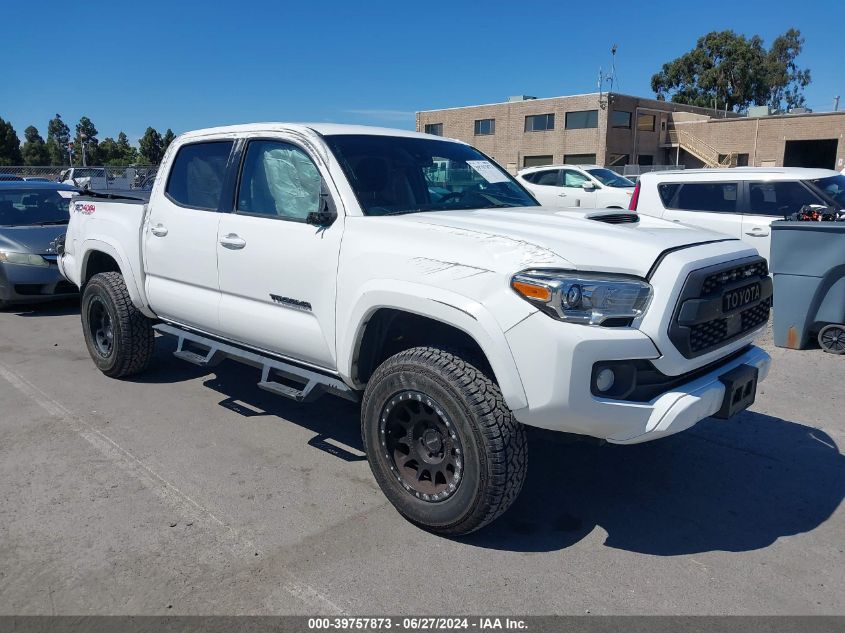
[{"x": 836, "y": 103}]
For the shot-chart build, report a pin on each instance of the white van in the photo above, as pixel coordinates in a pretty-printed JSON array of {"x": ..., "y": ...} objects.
[
  {"x": 741, "y": 202},
  {"x": 589, "y": 186}
]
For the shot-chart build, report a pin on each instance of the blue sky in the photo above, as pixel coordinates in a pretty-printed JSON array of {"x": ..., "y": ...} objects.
[{"x": 185, "y": 65}]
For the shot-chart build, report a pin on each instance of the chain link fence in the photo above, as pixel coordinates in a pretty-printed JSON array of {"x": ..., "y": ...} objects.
[{"x": 136, "y": 178}]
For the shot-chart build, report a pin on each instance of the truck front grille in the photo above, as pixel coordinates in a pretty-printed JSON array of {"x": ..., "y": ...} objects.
[{"x": 701, "y": 324}]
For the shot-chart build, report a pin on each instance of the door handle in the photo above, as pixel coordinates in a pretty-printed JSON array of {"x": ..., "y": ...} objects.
[
  {"x": 159, "y": 230},
  {"x": 561, "y": 195},
  {"x": 756, "y": 234},
  {"x": 233, "y": 242}
]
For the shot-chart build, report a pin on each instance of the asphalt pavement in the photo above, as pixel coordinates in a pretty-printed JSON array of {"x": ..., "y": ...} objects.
[{"x": 191, "y": 491}]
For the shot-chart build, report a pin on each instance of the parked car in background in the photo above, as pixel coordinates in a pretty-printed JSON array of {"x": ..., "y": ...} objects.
[
  {"x": 36, "y": 179},
  {"x": 741, "y": 202},
  {"x": 411, "y": 272},
  {"x": 577, "y": 186},
  {"x": 93, "y": 178},
  {"x": 10, "y": 178},
  {"x": 33, "y": 216}
]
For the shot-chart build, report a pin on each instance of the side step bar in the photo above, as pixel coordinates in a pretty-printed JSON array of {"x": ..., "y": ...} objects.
[{"x": 277, "y": 376}]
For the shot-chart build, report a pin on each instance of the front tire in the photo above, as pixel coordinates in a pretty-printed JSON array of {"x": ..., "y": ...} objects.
[
  {"x": 119, "y": 337},
  {"x": 441, "y": 442}
]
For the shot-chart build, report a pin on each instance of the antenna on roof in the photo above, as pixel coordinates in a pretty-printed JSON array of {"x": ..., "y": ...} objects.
[
  {"x": 613, "y": 79},
  {"x": 610, "y": 78}
]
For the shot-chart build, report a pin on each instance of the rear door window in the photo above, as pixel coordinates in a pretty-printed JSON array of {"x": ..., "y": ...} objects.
[
  {"x": 197, "y": 175},
  {"x": 779, "y": 198},
  {"x": 549, "y": 178},
  {"x": 718, "y": 197}
]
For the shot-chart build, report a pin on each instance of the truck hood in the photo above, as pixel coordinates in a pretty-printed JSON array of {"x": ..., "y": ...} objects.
[
  {"x": 30, "y": 239},
  {"x": 575, "y": 236}
]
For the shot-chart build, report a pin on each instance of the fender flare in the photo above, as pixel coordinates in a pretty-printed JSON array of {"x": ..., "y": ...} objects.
[
  {"x": 441, "y": 305},
  {"x": 91, "y": 245}
]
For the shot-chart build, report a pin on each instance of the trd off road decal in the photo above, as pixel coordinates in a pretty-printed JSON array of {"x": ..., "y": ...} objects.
[{"x": 85, "y": 208}]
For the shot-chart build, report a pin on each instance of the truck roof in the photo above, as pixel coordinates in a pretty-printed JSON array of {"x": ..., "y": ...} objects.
[{"x": 325, "y": 129}]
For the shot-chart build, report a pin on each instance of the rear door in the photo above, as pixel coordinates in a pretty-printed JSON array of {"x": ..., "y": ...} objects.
[
  {"x": 545, "y": 185},
  {"x": 278, "y": 274},
  {"x": 180, "y": 236},
  {"x": 769, "y": 201},
  {"x": 709, "y": 205}
]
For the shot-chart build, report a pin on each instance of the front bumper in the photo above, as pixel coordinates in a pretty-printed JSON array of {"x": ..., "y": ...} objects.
[
  {"x": 555, "y": 362},
  {"x": 30, "y": 284}
]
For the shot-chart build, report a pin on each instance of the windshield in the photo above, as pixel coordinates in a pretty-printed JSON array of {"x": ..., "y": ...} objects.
[
  {"x": 32, "y": 207},
  {"x": 393, "y": 174},
  {"x": 610, "y": 178},
  {"x": 833, "y": 187}
]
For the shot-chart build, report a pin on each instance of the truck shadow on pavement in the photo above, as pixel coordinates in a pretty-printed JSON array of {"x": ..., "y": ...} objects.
[
  {"x": 730, "y": 486},
  {"x": 721, "y": 486}
]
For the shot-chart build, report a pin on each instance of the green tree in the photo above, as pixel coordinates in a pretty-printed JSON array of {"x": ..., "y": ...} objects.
[
  {"x": 118, "y": 152},
  {"x": 127, "y": 152},
  {"x": 10, "y": 144},
  {"x": 166, "y": 140},
  {"x": 86, "y": 133},
  {"x": 151, "y": 148},
  {"x": 726, "y": 68},
  {"x": 58, "y": 136},
  {"x": 34, "y": 150}
]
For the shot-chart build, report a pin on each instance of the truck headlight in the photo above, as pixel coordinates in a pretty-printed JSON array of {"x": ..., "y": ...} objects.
[
  {"x": 28, "y": 259},
  {"x": 588, "y": 298}
]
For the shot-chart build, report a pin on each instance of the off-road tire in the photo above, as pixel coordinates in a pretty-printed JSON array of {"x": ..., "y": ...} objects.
[
  {"x": 493, "y": 443},
  {"x": 133, "y": 339}
]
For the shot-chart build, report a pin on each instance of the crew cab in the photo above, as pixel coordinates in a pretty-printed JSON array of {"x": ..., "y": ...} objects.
[{"x": 413, "y": 273}]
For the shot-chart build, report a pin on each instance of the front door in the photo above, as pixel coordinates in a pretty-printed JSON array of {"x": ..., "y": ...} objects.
[
  {"x": 180, "y": 237},
  {"x": 770, "y": 201},
  {"x": 278, "y": 273},
  {"x": 573, "y": 189}
]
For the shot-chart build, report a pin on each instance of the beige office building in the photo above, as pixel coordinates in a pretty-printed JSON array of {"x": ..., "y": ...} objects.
[{"x": 615, "y": 130}]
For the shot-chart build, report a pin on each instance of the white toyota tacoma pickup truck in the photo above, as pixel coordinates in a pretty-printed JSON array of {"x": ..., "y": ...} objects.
[{"x": 412, "y": 272}]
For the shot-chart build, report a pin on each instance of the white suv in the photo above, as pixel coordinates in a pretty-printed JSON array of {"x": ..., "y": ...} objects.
[
  {"x": 741, "y": 202},
  {"x": 589, "y": 186}
]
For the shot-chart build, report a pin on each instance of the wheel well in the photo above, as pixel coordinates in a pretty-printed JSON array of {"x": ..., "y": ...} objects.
[
  {"x": 390, "y": 331},
  {"x": 99, "y": 262}
]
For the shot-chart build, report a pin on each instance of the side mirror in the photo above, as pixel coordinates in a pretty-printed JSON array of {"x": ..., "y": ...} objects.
[
  {"x": 327, "y": 213},
  {"x": 588, "y": 185}
]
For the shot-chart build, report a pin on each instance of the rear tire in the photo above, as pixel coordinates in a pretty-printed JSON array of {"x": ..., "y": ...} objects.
[
  {"x": 441, "y": 442},
  {"x": 119, "y": 337}
]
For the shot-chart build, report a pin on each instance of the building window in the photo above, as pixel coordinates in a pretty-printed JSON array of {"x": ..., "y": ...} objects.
[
  {"x": 485, "y": 127},
  {"x": 537, "y": 161},
  {"x": 434, "y": 128},
  {"x": 617, "y": 159},
  {"x": 620, "y": 119},
  {"x": 539, "y": 122},
  {"x": 580, "y": 159},
  {"x": 645, "y": 159},
  {"x": 645, "y": 122},
  {"x": 582, "y": 119},
  {"x": 742, "y": 160}
]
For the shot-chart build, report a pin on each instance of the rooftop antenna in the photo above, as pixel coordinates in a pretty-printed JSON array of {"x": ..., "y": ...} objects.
[
  {"x": 609, "y": 78},
  {"x": 613, "y": 50}
]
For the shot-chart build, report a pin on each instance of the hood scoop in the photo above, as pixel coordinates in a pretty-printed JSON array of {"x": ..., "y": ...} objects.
[{"x": 616, "y": 218}]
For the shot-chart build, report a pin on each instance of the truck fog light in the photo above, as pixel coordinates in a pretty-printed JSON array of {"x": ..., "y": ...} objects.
[{"x": 605, "y": 379}]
